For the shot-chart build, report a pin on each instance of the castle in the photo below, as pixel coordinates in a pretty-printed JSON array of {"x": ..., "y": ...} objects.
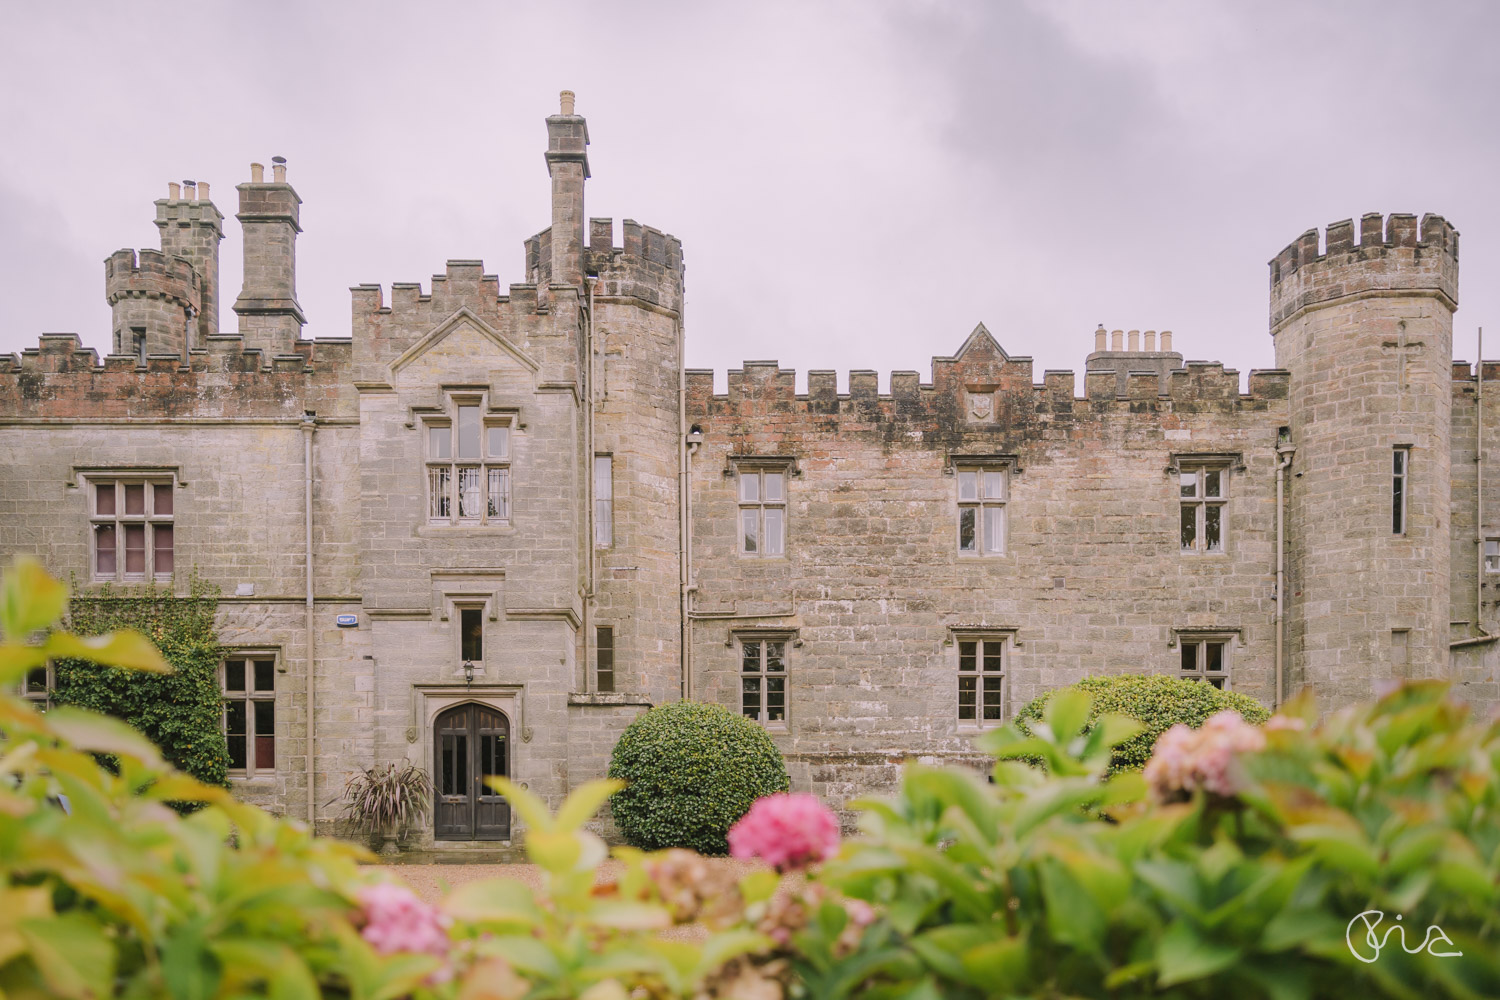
[{"x": 491, "y": 526}]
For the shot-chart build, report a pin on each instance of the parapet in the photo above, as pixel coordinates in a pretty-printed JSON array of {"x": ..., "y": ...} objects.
[
  {"x": 151, "y": 274},
  {"x": 648, "y": 267},
  {"x": 1393, "y": 253}
]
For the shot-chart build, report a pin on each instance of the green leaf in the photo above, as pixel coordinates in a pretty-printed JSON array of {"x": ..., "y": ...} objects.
[
  {"x": 73, "y": 954},
  {"x": 16, "y": 661},
  {"x": 100, "y": 734},
  {"x": 529, "y": 956},
  {"x": 1067, "y": 713},
  {"x": 759, "y": 886},
  {"x": 188, "y": 968},
  {"x": 1073, "y": 915},
  {"x": 527, "y": 804},
  {"x": 586, "y": 800},
  {"x": 30, "y": 600},
  {"x": 493, "y": 901},
  {"x": 127, "y": 649},
  {"x": 1182, "y": 955},
  {"x": 1111, "y": 730}
]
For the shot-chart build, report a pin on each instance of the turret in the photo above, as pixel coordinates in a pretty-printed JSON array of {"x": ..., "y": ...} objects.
[
  {"x": 154, "y": 301},
  {"x": 191, "y": 228},
  {"x": 270, "y": 317},
  {"x": 568, "y": 165},
  {"x": 1366, "y": 329}
]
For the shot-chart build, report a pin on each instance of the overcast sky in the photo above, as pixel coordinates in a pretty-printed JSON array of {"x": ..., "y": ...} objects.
[{"x": 856, "y": 185}]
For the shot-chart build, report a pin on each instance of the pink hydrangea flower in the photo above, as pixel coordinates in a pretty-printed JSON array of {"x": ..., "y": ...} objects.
[
  {"x": 397, "y": 921},
  {"x": 1184, "y": 759},
  {"x": 786, "y": 831}
]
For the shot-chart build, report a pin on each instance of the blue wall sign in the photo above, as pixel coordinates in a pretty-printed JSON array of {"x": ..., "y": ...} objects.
[{"x": 347, "y": 621}]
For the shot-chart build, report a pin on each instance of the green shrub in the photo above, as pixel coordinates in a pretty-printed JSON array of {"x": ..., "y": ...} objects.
[
  {"x": 690, "y": 771},
  {"x": 1156, "y": 701},
  {"x": 1352, "y": 858},
  {"x": 181, "y": 712}
]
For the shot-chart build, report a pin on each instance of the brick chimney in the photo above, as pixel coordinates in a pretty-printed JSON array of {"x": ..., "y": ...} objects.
[{"x": 270, "y": 317}]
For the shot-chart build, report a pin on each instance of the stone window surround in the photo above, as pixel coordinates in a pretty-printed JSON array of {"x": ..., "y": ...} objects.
[
  {"x": 1231, "y": 464},
  {"x": 255, "y": 775},
  {"x": 1010, "y": 637},
  {"x": 1401, "y": 455},
  {"x": 92, "y": 477},
  {"x": 1492, "y": 554},
  {"x": 43, "y": 697},
  {"x": 740, "y": 465},
  {"x": 430, "y": 418},
  {"x": 789, "y": 636},
  {"x": 1232, "y": 637}
]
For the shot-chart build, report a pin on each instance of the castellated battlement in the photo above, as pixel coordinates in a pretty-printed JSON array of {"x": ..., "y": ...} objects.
[
  {"x": 647, "y": 267},
  {"x": 1392, "y": 253},
  {"x": 154, "y": 275}
]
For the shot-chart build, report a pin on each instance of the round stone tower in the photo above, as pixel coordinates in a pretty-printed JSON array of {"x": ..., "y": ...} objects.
[{"x": 1366, "y": 331}]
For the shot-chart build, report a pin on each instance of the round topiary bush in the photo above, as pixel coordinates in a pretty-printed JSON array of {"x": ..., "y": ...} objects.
[
  {"x": 1157, "y": 702},
  {"x": 691, "y": 770}
]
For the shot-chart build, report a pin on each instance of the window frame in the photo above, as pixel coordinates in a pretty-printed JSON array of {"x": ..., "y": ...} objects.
[
  {"x": 760, "y": 505},
  {"x": 461, "y": 609},
  {"x": 980, "y": 503},
  {"x": 250, "y": 697},
  {"x": 601, "y": 632},
  {"x": 43, "y": 700},
  {"x": 1491, "y": 567},
  {"x": 982, "y": 640},
  {"x": 118, "y": 520},
  {"x": 604, "y": 501},
  {"x": 492, "y": 469},
  {"x": 764, "y": 675},
  {"x": 1400, "y": 489},
  {"x": 1200, "y": 643},
  {"x": 1200, "y": 502}
]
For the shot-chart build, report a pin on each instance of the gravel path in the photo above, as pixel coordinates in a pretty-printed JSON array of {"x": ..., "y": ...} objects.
[{"x": 432, "y": 882}]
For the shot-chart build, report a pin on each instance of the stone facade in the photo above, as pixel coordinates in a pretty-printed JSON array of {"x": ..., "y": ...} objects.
[{"x": 531, "y": 467}]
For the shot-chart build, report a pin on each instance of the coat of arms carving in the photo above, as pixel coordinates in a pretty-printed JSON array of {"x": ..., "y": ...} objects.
[{"x": 981, "y": 405}]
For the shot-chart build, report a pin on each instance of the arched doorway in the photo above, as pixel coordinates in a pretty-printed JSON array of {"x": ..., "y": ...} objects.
[{"x": 470, "y": 743}]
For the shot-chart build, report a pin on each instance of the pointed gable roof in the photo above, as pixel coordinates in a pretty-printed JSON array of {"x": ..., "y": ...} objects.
[{"x": 462, "y": 319}]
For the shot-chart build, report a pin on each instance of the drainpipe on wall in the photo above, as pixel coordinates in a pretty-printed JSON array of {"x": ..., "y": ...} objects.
[
  {"x": 1285, "y": 452},
  {"x": 590, "y": 551},
  {"x": 1479, "y": 494},
  {"x": 309, "y": 428}
]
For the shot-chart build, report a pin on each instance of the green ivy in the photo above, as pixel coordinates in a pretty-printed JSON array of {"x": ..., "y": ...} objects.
[
  {"x": 691, "y": 770},
  {"x": 1157, "y": 702},
  {"x": 181, "y": 712}
]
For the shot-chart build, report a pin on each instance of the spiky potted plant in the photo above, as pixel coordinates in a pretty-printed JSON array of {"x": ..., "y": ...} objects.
[{"x": 386, "y": 800}]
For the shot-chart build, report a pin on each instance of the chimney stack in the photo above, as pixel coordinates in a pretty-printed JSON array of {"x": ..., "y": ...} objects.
[
  {"x": 269, "y": 215},
  {"x": 568, "y": 165},
  {"x": 191, "y": 228}
]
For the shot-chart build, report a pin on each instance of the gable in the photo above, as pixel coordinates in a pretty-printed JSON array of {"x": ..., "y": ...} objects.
[{"x": 462, "y": 347}]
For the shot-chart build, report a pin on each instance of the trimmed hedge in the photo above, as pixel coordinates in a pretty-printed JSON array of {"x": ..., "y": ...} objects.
[
  {"x": 181, "y": 712},
  {"x": 691, "y": 770},
  {"x": 1156, "y": 701}
]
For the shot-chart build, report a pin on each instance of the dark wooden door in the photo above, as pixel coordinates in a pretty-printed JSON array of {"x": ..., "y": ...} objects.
[{"x": 470, "y": 743}]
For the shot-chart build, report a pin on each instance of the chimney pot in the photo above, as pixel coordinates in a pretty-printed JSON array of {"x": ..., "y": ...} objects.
[
  {"x": 189, "y": 191},
  {"x": 1117, "y": 340},
  {"x": 1150, "y": 342},
  {"x": 203, "y": 190},
  {"x": 1166, "y": 341},
  {"x": 1135, "y": 340},
  {"x": 257, "y": 173},
  {"x": 1099, "y": 337},
  {"x": 173, "y": 192},
  {"x": 278, "y": 169},
  {"x": 565, "y": 99}
]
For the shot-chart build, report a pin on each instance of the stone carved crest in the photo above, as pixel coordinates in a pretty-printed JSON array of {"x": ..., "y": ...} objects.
[{"x": 981, "y": 406}]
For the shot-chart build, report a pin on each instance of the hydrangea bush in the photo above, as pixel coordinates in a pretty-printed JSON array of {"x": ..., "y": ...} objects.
[{"x": 1359, "y": 856}]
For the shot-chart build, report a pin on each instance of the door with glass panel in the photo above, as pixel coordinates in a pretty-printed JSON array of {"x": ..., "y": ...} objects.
[{"x": 470, "y": 743}]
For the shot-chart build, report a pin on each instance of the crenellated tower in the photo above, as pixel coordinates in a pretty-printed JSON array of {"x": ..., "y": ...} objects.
[
  {"x": 165, "y": 302},
  {"x": 1366, "y": 330}
]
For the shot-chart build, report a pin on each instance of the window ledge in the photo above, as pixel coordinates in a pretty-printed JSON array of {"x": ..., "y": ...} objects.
[
  {"x": 608, "y": 698},
  {"x": 438, "y": 530},
  {"x": 257, "y": 779}
]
